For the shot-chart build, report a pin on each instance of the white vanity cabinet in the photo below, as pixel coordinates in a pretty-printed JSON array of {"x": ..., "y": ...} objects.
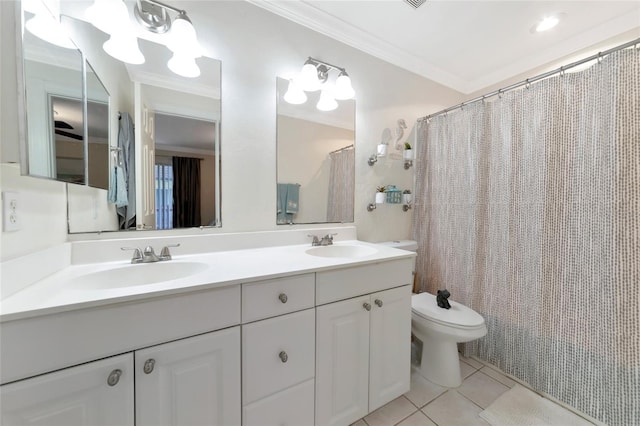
[
  {"x": 278, "y": 351},
  {"x": 98, "y": 393},
  {"x": 190, "y": 381},
  {"x": 363, "y": 342}
]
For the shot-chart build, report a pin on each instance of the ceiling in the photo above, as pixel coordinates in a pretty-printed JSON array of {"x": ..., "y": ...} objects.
[{"x": 465, "y": 45}]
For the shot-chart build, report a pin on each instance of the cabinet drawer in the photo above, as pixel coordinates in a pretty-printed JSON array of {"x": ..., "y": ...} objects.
[
  {"x": 277, "y": 353},
  {"x": 293, "y": 406},
  {"x": 280, "y": 296},
  {"x": 345, "y": 283}
]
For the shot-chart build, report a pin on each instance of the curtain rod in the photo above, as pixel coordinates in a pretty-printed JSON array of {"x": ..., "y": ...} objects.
[
  {"x": 528, "y": 81},
  {"x": 342, "y": 149}
]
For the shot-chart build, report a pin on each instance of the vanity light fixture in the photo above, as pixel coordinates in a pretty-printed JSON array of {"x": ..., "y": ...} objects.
[
  {"x": 315, "y": 76},
  {"x": 45, "y": 25},
  {"x": 112, "y": 17}
]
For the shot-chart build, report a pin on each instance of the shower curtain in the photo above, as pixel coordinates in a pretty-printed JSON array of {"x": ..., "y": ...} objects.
[
  {"x": 528, "y": 211},
  {"x": 186, "y": 192},
  {"x": 341, "y": 186}
]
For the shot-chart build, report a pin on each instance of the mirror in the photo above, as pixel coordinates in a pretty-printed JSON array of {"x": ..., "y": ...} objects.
[
  {"x": 170, "y": 118},
  {"x": 54, "y": 95},
  {"x": 315, "y": 161}
]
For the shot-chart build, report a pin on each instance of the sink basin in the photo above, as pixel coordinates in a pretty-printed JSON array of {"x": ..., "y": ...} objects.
[
  {"x": 137, "y": 275},
  {"x": 341, "y": 251}
]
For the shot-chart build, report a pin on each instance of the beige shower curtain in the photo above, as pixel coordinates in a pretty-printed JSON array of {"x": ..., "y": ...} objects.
[
  {"x": 528, "y": 211},
  {"x": 341, "y": 186}
]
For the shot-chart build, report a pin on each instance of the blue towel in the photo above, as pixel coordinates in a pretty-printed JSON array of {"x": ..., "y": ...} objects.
[
  {"x": 117, "y": 193},
  {"x": 287, "y": 202},
  {"x": 293, "y": 197}
]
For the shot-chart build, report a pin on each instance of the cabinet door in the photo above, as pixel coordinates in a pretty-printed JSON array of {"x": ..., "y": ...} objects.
[
  {"x": 390, "y": 340},
  {"x": 194, "y": 381},
  {"x": 93, "y": 394},
  {"x": 342, "y": 361}
]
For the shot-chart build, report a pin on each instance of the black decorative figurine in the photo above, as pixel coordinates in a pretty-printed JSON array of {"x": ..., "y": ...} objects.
[{"x": 442, "y": 297}]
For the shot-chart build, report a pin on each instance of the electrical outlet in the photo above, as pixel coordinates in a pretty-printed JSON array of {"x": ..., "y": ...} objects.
[{"x": 10, "y": 211}]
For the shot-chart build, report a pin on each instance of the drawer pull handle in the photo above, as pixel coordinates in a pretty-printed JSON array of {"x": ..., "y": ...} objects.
[
  {"x": 148, "y": 366},
  {"x": 367, "y": 306},
  {"x": 283, "y": 356},
  {"x": 114, "y": 377},
  {"x": 379, "y": 303},
  {"x": 283, "y": 298}
]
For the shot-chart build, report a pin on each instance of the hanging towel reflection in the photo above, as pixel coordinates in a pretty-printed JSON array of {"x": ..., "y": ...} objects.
[{"x": 288, "y": 202}]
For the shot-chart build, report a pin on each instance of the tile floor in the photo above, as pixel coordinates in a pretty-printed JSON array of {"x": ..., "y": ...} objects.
[{"x": 428, "y": 404}]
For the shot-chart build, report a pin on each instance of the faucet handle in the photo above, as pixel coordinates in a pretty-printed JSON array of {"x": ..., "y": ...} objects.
[
  {"x": 316, "y": 240},
  {"x": 137, "y": 254},
  {"x": 165, "y": 254}
]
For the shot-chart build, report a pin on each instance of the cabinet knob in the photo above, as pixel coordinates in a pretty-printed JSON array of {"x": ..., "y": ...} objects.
[
  {"x": 283, "y": 298},
  {"x": 148, "y": 365},
  {"x": 378, "y": 302},
  {"x": 367, "y": 306},
  {"x": 283, "y": 356},
  {"x": 114, "y": 377}
]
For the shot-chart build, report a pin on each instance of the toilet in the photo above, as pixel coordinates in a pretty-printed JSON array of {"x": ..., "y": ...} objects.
[{"x": 440, "y": 330}]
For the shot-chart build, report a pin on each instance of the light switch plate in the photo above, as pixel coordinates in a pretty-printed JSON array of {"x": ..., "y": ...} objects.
[{"x": 10, "y": 211}]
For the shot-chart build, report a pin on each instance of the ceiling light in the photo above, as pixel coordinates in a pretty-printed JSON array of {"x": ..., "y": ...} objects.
[
  {"x": 326, "y": 102},
  {"x": 547, "y": 23},
  {"x": 295, "y": 95}
]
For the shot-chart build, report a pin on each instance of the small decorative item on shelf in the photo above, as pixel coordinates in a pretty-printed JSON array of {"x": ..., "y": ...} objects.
[
  {"x": 380, "y": 194},
  {"x": 382, "y": 149},
  {"x": 406, "y": 196},
  {"x": 394, "y": 195},
  {"x": 407, "y": 154}
]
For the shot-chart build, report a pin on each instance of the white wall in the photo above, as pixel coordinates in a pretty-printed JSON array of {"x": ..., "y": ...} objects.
[{"x": 255, "y": 46}]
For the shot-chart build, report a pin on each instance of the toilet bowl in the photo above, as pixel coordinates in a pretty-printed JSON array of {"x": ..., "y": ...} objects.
[{"x": 440, "y": 330}]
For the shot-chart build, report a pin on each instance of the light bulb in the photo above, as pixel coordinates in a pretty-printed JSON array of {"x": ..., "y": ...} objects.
[
  {"x": 294, "y": 95},
  {"x": 309, "y": 78},
  {"x": 184, "y": 65},
  {"x": 47, "y": 28},
  {"x": 326, "y": 102},
  {"x": 124, "y": 47},
  {"x": 182, "y": 37},
  {"x": 109, "y": 16},
  {"x": 343, "y": 89},
  {"x": 547, "y": 23}
]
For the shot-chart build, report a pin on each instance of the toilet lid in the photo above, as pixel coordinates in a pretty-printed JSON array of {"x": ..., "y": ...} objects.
[{"x": 426, "y": 306}]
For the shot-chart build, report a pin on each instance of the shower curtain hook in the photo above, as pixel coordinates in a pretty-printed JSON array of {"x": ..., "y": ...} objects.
[
  {"x": 527, "y": 85},
  {"x": 483, "y": 96},
  {"x": 499, "y": 93},
  {"x": 562, "y": 71},
  {"x": 599, "y": 57}
]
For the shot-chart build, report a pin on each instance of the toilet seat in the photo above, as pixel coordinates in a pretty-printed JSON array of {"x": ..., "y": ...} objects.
[{"x": 426, "y": 307}]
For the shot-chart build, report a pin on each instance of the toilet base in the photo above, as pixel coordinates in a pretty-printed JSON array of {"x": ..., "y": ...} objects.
[{"x": 440, "y": 363}]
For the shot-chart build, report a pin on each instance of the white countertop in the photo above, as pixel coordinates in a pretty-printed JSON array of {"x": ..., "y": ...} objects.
[{"x": 54, "y": 294}]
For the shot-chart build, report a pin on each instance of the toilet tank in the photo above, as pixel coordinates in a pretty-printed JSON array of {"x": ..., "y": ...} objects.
[{"x": 409, "y": 245}]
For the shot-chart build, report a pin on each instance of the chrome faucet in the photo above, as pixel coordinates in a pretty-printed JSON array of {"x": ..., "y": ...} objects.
[
  {"x": 149, "y": 255},
  {"x": 327, "y": 240}
]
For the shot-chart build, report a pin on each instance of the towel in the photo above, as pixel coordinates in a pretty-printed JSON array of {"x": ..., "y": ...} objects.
[
  {"x": 117, "y": 193},
  {"x": 293, "y": 197},
  {"x": 287, "y": 202}
]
